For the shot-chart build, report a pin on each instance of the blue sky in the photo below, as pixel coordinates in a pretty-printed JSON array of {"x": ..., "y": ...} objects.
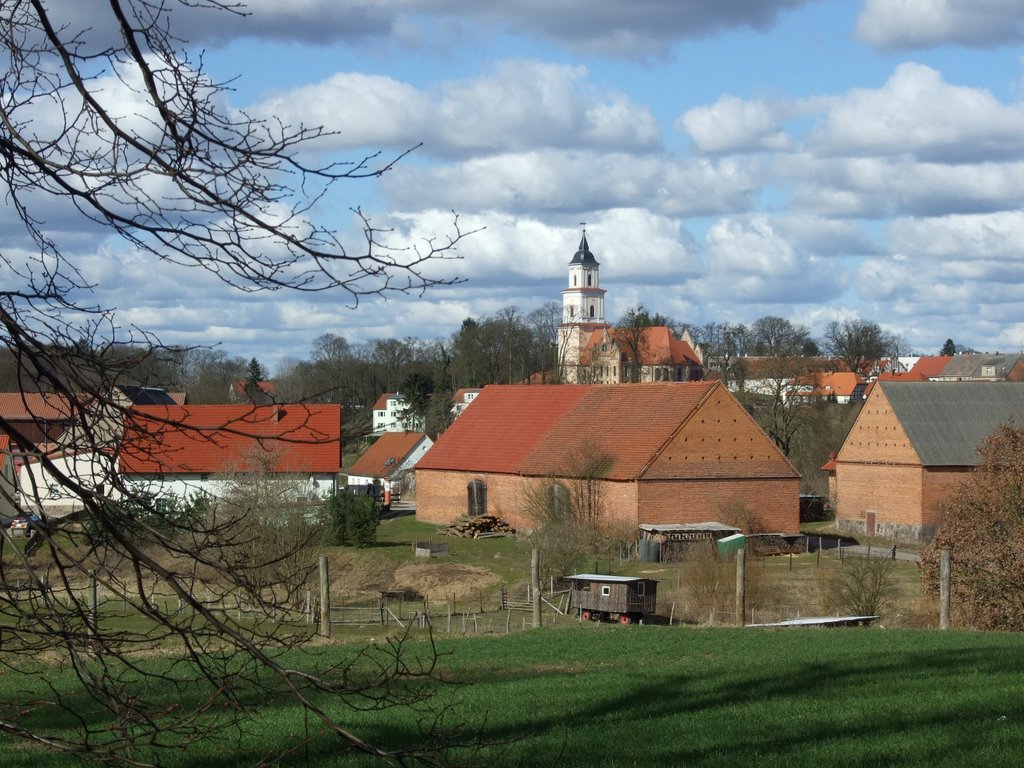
[{"x": 732, "y": 159}]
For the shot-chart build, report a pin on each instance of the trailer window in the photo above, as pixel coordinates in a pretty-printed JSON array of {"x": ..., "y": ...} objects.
[
  {"x": 641, "y": 589},
  {"x": 606, "y": 591}
]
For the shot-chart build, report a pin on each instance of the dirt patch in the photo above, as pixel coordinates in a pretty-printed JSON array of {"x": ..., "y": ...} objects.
[{"x": 438, "y": 581}]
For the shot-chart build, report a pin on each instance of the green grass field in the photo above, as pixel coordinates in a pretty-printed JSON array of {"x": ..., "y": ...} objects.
[{"x": 604, "y": 695}]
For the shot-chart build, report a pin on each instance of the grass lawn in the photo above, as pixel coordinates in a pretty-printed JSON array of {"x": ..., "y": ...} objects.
[{"x": 604, "y": 695}]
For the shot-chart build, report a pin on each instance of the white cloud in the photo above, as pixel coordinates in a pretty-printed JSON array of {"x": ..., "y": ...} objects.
[
  {"x": 748, "y": 261},
  {"x": 566, "y": 181},
  {"x": 906, "y": 24},
  {"x": 519, "y": 105},
  {"x": 917, "y": 113},
  {"x": 733, "y": 125},
  {"x": 995, "y": 237}
]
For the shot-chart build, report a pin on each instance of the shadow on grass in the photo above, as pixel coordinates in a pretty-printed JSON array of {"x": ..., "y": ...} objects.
[{"x": 689, "y": 697}]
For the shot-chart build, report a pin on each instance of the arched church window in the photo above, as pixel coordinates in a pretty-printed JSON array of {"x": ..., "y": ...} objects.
[
  {"x": 590, "y": 280},
  {"x": 591, "y": 310},
  {"x": 574, "y": 281},
  {"x": 476, "y": 491}
]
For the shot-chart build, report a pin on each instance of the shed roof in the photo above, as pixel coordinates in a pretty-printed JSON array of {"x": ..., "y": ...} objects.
[
  {"x": 667, "y": 528},
  {"x": 607, "y": 578},
  {"x": 947, "y": 421},
  {"x": 505, "y": 424}
]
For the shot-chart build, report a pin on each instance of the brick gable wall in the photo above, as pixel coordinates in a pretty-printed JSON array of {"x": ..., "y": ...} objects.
[
  {"x": 877, "y": 470},
  {"x": 721, "y": 440}
]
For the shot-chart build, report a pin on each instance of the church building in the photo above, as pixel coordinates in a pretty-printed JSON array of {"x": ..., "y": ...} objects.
[{"x": 592, "y": 351}]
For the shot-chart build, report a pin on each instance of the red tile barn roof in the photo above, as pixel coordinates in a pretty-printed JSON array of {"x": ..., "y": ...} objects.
[
  {"x": 505, "y": 424},
  {"x": 628, "y": 423},
  {"x": 532, "y": 430},
  {"x": 221, "y": 438}
]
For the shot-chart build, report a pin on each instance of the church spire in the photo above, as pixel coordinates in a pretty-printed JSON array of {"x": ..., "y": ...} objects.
[{"x": 583, "y": 254}]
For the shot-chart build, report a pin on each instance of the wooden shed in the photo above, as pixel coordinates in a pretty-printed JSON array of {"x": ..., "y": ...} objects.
[{"x": 626, "y": 599}]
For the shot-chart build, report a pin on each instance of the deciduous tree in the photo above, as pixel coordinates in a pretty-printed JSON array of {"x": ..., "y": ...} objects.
[
  {"x": 983, "y": 527},
  {"x": 858, "y": 343},
  {"x": 175, "y": 174}
]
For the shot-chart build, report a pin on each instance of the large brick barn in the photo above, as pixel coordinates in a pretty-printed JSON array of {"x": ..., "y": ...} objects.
[
  {"x": 668, "y": 453},
  {"x": 911, "y": 443}
]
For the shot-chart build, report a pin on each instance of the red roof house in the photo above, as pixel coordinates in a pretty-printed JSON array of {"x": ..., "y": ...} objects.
[
  {"x": 189, "y": 445},
  {"x": 662, "y": 453},
  {"x": 389, "y": 459}
]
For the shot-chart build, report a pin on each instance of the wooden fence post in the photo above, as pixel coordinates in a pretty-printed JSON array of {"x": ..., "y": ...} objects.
[
  {"x": 535, "y": 581},
  {"x": 945, "y": 582},
  {"x": 741, "y": 586},
  {"x": 325, "y": 599}
]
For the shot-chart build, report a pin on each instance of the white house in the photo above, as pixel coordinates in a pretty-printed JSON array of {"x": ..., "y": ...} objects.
[
  {"x": 462, "y": 399},
  {"x": 390, "y": 460},
  {"x": 391, "y": 414},
  {"x": 181, "y": 450},
  {"x": 47, "y": 482}
]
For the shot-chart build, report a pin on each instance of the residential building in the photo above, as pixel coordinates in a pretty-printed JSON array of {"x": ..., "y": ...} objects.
[
  {"x": 910, "y": 445},
  {"x": 391, "y": 413},
  {"x": 461, "y": 400},
  {"x": 657, "y": 453},
  {"x": 8, "y": 484},
  {"x": 389, "y": 462},
  {"x": 184, "y": 449},
  {"x": 841, "y": 387},
  {"x": 34, "y": 418},
  {"x": 983, "y": 367}
]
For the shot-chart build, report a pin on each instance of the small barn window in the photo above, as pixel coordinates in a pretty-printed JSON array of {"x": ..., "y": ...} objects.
[
  {"x": 606, "y": 591},
  {"x": 476, "y": 492}
]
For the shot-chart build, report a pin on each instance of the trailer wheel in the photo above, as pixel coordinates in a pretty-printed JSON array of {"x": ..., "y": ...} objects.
[
  {"x": 586, "y": 615},
  {"x": 625, "y": 618}
]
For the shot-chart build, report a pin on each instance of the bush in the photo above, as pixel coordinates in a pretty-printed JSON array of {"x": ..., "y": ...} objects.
[
  {"x": 861, "y": 586},
  {"x": 352, "y": 519}
]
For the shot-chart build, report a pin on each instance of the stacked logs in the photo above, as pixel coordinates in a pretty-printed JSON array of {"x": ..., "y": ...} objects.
[{"x": 479, "y": 527}]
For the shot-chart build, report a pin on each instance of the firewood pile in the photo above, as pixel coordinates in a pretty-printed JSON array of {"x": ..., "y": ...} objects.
[{"x": 481, "y": 527}]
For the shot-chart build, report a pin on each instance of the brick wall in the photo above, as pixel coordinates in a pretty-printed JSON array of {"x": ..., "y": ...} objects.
[
  {"x": 441, "y": 497},
  {"x": 938, "y": 484},
  {"x": 892, "y": 491},
  {"x": 773, "y": 504}
]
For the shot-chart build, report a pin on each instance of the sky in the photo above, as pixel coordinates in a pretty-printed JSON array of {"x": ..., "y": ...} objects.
[{"x": 733, "y": 159}]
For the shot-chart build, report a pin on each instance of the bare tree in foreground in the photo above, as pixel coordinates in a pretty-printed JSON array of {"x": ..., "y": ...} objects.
[{"x": 117, "y": 130}]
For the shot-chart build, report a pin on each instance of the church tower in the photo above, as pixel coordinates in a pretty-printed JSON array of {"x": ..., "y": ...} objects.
[{"x": 582, "y": 310}]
